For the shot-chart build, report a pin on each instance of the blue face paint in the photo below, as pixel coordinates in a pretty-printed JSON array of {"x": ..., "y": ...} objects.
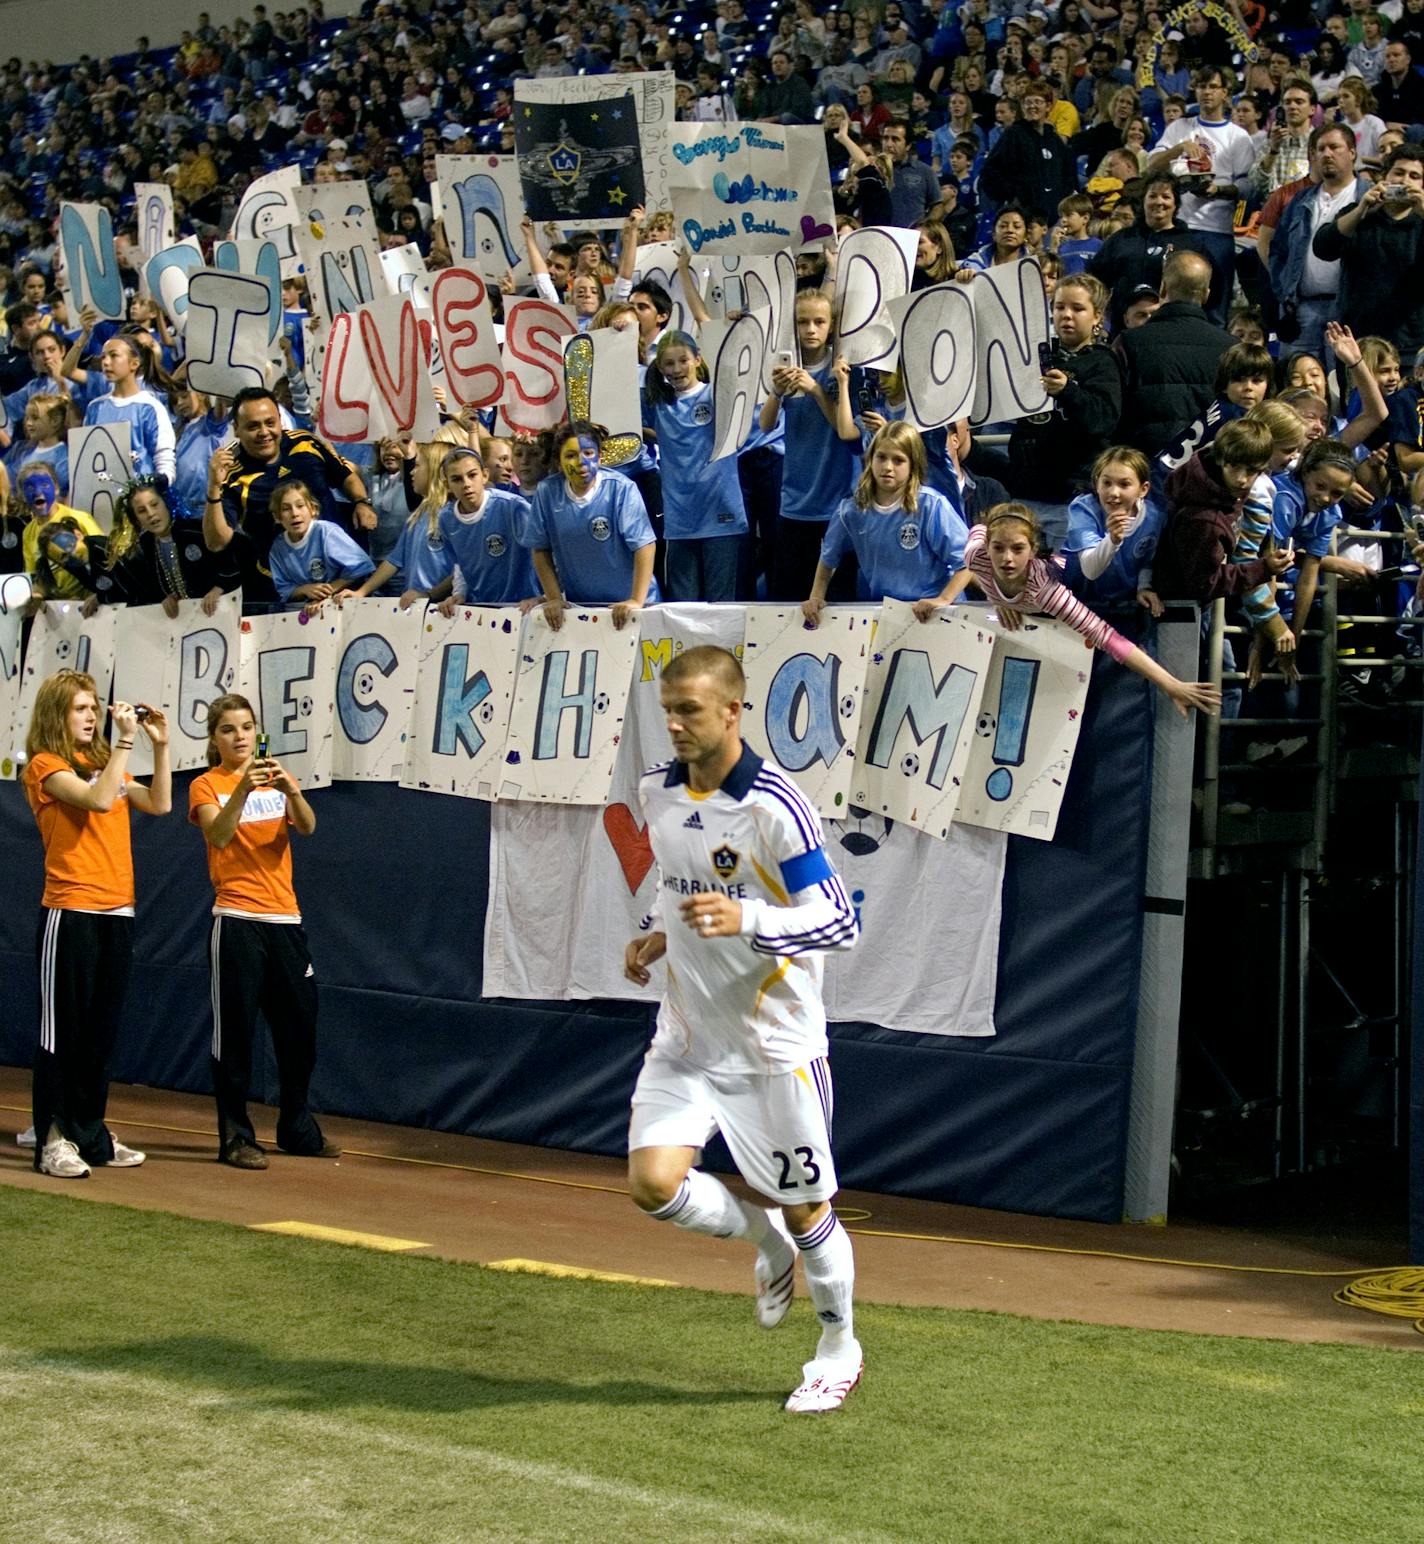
[
  {"x": 588, "y": 455},
  {"x": 40, "y": 492}
]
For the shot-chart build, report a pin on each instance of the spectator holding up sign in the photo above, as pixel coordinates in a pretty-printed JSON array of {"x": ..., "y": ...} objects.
[
  {"x": 151, "y": 439},
  {"x": 821, "y": 468}
]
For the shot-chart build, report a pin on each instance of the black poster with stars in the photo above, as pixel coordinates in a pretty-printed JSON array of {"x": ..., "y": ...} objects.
[{"x": 579, "y": 160}]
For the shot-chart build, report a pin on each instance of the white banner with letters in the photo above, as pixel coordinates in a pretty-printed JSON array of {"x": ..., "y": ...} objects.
[
  {"x": 288, "y": 674},
  {"x": 805, "y": 691},
  {"x": 460, "y": 715},
  {"x": 178, "y": 666}
]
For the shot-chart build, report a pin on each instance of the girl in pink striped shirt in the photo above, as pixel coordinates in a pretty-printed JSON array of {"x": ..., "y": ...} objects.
[{"x": 1002, "y": 559}]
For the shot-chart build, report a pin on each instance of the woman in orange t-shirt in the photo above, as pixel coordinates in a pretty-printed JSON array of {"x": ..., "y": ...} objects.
[
  {"x": 257, "y": 954},
  {"x": 81, "y": 793}
]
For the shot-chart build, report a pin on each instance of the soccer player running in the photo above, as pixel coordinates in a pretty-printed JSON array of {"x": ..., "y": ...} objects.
[{"x": 748, "y": 903}]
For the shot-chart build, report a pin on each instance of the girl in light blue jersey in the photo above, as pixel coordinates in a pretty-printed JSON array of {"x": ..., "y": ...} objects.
[
  {"x": 589, "y": 532},
  {"x": 908, "y": 539},
  {"x": 1113, "y": 533},
  {"x": 704, "y": 516},
  {"x": 129, "y": 401},
  {"x": 481, "y": 526},
  {"x": 821, "y": 468},
  {"x": 312, "y": 559},
  {"x": 420, "y": 559}
]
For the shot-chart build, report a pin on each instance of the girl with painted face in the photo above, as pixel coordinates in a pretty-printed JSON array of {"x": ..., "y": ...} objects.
[
  {"x": 156, "y": 552},
  {"x": 589, "y": 532},
  {"x": 60, "y": 570},
  {"x": 907, "y": 538},
  {"x": 81, "y": 792},
  {"x": 247, "y": 804},
  {"x": 131, "y": 403},
  {"x": 704, "y": 514},
  {"x": 1004, "y": 561}
]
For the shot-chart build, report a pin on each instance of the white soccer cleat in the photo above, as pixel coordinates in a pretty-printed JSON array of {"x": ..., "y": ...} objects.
[
  {"x": 826, "y": 1384},
  {"x": 26, "y": 1138},
  {"x": 775, "y": 1274}
]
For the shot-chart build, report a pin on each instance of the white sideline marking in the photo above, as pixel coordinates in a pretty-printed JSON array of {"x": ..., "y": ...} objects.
[{"x": 23, "y": 1374}]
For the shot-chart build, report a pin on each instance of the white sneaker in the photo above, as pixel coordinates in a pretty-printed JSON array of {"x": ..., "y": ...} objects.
[
  {"x": 125, "y": 1157},
  {"x": 61, "y": 1158},
  {"x": 775, "y": 1273},
  {"x": 826, "y": 1383},
  {"x": 26, "y": 1138}
]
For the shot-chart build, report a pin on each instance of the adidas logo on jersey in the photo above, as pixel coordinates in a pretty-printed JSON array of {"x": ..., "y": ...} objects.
[{"x": 693, "y": 822}]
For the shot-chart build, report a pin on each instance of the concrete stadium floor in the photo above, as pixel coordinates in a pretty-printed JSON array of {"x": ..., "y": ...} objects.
[{"x": 470, "y": 1199}]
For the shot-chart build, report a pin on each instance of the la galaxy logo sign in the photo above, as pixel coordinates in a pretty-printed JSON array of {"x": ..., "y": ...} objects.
[
  {"x": 725, "y": 860},
  {"x": 564, "y": 163}
]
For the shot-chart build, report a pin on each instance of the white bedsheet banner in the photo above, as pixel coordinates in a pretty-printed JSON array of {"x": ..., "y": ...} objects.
[{"x": 566, "y": 940}]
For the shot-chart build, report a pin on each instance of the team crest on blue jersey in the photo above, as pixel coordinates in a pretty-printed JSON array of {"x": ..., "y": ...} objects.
[
  {"x": 702, "y": 413},
  {"x": 435, "y": 541},
  {"x": 599, "y": 528},
  {"x": 316, "y": 569},
  {"x": 910, "y": 535},
  {"x": 494, "y": 545},
  {"x": 725, "y": 860}
]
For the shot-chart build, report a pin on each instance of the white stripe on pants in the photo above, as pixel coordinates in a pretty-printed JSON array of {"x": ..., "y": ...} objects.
[
  {"x": 215, "y": 986},
  {"x": 48, "y": 952}
]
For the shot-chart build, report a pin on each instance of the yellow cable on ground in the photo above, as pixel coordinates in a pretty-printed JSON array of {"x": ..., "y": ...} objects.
[
  {"x": 1399, "y": 1293},
  {"x": 918, "y": 1238}
]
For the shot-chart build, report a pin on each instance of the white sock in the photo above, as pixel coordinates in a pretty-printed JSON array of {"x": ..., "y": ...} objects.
[
  {"x": 830, "y": 1280},
  {"x": 705, "y": 1205}
]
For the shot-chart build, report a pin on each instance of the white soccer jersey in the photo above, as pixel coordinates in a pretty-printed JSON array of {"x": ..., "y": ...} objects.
[{"x": 750, "y": 1003}]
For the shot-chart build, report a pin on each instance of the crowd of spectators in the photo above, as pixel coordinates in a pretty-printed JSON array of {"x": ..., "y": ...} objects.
[{"x": 1223, "y": 209}]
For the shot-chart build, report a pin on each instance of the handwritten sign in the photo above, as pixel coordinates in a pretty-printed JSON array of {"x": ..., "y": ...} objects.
[{"x": 750, "y": 187}]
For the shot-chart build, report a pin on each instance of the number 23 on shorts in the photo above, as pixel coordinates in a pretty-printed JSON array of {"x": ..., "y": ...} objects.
[{"x": 809, "y": 1167}]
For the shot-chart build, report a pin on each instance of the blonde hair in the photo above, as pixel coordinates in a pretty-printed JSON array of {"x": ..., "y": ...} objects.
[
  {"x": 1092, "y": 286},
  {"x": 1375, "y": 351},
  {"x": 1285, "y": 424},
  {"x": 430, "y": 459},
  {"x": 49, "y": 723},
  {"x": 54, "y": 407},
  {"x": 896, "y": 435}
]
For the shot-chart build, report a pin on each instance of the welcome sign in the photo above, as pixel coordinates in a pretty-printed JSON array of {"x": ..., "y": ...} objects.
[{"x": 750, "y": 187}]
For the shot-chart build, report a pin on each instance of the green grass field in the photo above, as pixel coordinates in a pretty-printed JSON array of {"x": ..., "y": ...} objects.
[{"x": 175, "y": 1380}]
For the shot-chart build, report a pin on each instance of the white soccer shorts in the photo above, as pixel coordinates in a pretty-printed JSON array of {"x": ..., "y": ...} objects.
[{"x": 777, "y": 1126}]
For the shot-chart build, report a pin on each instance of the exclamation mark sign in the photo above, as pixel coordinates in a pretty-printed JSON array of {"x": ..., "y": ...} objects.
[{"x": 1020, "y": 681}]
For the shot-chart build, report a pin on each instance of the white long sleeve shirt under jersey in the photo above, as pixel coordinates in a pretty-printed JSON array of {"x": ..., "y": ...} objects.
[{"x": 750, "y": 1003}]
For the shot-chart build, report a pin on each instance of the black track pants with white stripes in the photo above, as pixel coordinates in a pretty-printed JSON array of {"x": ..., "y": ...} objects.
[
  {"x": 84, "y": 960},
  {"x": 266, "y": 966}
]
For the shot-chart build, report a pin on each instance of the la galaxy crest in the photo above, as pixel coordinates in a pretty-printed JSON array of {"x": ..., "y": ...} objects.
[{"x": 725, "y": 860}]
